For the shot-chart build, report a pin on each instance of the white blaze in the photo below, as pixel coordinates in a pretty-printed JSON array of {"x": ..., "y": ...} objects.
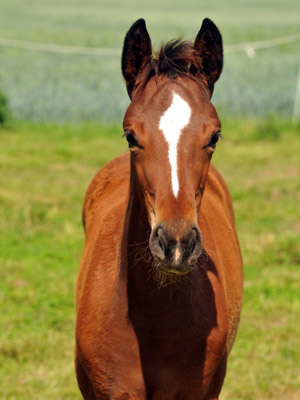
[{"x": 173, "y": 121}]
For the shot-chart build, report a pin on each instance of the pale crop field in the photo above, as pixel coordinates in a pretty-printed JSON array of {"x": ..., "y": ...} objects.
[{"x": 48, "y": 86}]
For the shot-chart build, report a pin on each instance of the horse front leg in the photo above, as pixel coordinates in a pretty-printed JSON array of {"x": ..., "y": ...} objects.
[
  {"x": 84, "y": 382},
  {"x": 217, "y": 381}
]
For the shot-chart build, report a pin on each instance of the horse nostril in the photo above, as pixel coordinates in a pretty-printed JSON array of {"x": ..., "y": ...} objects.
[
  {"x": 165, "y": 246},
  {"x": 160, "y": 243},
  {"x": 162, "y": 239},
  {"x": 193, "y": 247}
]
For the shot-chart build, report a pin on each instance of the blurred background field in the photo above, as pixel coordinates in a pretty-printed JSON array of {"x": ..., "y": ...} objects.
[
  {"x": 63, "y": 87},
  {"x": 63, "y": 122}
]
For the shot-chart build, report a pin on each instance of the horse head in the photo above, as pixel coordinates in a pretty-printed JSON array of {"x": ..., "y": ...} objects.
[{"x": 172, "y": 129}]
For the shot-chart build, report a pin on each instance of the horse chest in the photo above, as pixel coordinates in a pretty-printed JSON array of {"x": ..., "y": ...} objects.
[
  {"x": 161, "y": 366},
  {"x": 179, "y": 352}
]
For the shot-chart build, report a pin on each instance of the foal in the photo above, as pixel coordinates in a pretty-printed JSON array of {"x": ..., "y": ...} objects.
[{"x": 159, "y": 289}]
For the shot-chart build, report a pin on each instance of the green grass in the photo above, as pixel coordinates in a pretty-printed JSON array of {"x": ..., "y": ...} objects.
[
  {"x": 44, "y": 172},
  {"x": 45, "y": 87}
]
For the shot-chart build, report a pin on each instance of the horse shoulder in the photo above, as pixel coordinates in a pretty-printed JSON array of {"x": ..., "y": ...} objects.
[
  {"x": 103, "y": 214},
  {"x": 101, "y": 304},
  {"x": 220, "y": 241},
  {"x": 110, "y": 181}
]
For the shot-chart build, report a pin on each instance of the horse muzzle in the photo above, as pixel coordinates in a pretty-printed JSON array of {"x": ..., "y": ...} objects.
[{"x": 176, "y": 250}]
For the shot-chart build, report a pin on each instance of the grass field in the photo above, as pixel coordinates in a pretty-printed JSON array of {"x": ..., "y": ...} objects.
[
  {"x": 44, "y": 172},
  {"x": 44, "y": 86}
]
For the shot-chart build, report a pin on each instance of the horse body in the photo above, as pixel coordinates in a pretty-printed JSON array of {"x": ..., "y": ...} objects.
[{"x": 159, "y": 288}]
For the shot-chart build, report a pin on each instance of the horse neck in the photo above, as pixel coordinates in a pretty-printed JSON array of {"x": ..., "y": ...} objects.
[
  {"x": 145, "y": 290},
  {"x": 139, "y": 261}
]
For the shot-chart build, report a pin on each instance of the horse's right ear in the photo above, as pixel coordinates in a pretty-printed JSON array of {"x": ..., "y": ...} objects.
[{"x": 137, "y": 52}]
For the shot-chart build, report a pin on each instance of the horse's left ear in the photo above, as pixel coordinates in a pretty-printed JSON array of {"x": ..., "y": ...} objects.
[
  {"x": 208, "y": 50},
  {"x": 137, "y": 52}
]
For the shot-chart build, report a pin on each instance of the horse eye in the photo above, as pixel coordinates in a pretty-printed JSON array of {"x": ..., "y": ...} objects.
[
  {"x": 214, "y": 139},
  {"x": 132, "y": 142}
]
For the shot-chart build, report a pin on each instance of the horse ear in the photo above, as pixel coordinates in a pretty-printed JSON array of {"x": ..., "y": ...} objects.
[
  {"x": 137, "y": 52},
  {"x": 208, "y": 50}
]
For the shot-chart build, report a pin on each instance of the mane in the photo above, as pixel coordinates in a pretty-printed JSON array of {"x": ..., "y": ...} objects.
[{"x": 172, "y": 60}]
